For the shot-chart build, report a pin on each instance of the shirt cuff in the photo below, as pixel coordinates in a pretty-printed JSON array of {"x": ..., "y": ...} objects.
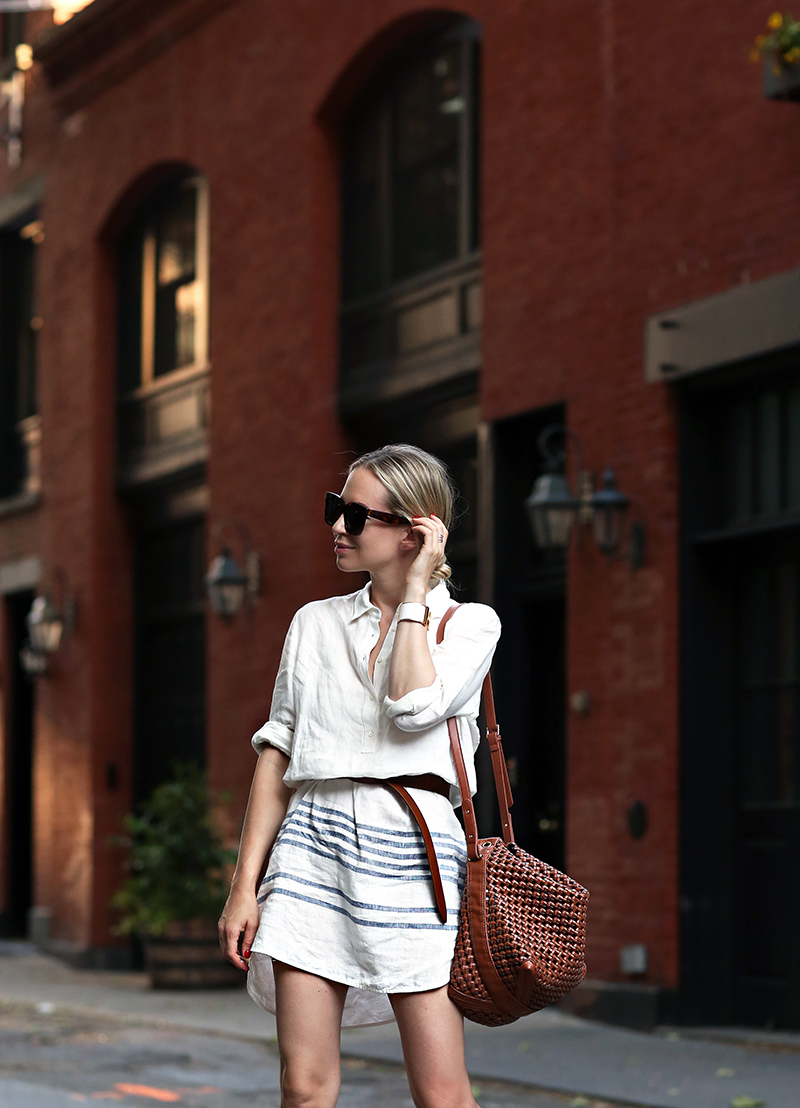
[
  {"x": 413, "y": 702},
  {"x": 274, "y": 734}
]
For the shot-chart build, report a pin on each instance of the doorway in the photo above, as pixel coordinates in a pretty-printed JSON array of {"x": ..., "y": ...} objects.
[
  {"x": 740, "y": 699},
  {"x": 170, "y": 664},
  {"x": 18, "y": 775},
  {"x": 530, "y": 587},
  {"x": 766, "y": 833}
]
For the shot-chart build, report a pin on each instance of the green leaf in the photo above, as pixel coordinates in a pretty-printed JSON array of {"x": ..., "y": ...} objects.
[
  {"x": 176, "y": 857},
  {"x": 746, "y": 1102}
]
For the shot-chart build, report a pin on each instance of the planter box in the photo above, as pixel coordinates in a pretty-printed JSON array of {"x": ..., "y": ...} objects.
[
  {"x": 187, "y": 956},
  {"x": 783, "y": 85}
]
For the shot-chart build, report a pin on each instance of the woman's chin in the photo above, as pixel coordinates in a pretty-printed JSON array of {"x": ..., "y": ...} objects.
[{"x": 344, "y": 562}]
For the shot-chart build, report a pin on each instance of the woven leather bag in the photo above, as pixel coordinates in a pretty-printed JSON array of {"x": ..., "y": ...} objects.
[{"x": 522, "y": 928}]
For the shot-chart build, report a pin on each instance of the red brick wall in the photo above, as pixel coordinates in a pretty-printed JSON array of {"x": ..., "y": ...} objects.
[{"x": 630, "y": 163}]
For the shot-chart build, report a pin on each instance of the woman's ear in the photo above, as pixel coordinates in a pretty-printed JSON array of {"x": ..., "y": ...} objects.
[{"x": 409, "y": 540}]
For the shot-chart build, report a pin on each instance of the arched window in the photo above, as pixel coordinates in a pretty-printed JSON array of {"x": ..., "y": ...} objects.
[
  {"x": 162, "y": 348},
  {"x": 410, "y": 250},
  {"x": 20, "y": 322},
  {"x": 163, "y": 285}
]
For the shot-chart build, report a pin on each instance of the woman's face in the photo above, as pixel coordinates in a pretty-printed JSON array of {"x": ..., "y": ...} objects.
[{"x": 379, "y": 544}]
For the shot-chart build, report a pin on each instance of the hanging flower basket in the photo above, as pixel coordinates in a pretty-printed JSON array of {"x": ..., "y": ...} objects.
[{"x": 778, "y": 51}]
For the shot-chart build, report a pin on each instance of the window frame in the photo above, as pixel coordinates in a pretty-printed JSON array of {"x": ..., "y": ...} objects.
[
  {"x": 139, "y": 249},
  {"x": 422, "y": 331},
  {"x": 20, "y": 323},
  {"x": 380, "y": 99}
]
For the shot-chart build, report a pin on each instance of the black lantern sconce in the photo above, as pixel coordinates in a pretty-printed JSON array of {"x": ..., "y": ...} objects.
[
  {"x": 48, "y": 625},
  {"x": 228, "y": 585},
  {"x": 554, "y": 510}
]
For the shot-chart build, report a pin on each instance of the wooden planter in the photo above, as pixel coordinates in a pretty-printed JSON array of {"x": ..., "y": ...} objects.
[
  {"x": 187, "y": 956},
  {"x": 783, "y": 85}
]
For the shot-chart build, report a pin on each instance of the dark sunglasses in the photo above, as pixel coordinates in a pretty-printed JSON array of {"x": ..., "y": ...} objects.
[{"x": 355, "y": 515}]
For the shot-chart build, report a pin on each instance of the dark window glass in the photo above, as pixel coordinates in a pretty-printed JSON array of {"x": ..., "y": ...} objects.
[
  {"x": 160, "y": 294},
  {"x": 362, "y": 207},
  {"x": 760, "y": 476},
  {"x": 12, "y": 30},
  {"x": 19, "y": 326},
  {"x": 176, "y": 281},
  {"x": 410, "y": 168},
  {"x": 425, "y": 178},
  {"x": 769, "y": 722}
]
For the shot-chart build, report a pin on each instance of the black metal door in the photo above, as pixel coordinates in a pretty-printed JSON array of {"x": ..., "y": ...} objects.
[
  {"x": 170, "y": 652},
  {"x": 766, "y": 886}
]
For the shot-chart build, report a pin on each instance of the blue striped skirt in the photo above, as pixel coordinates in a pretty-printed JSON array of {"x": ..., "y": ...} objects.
[{"x": 348, "y": 896}]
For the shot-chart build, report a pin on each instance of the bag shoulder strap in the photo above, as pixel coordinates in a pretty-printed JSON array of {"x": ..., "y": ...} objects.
[{"x": 501, "y": 781}]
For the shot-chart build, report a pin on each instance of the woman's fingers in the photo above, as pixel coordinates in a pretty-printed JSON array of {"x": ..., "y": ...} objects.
[
  {"x": 432, "y": 530},
  {"x": 234, "y": 928}
]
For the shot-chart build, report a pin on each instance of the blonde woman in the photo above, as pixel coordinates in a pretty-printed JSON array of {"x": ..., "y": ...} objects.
[{"x": 344, "y": 929}]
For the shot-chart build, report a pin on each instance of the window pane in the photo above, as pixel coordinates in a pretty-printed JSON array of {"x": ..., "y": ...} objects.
[
  {"x": 739, "y": 452},
  {"x": 18, "y": 330},
  {"x": 176, "y": 286},
  {"x": 365, "y": 245},
  {"x": 425, "y": 177},
  {"x": 769, "y": 454},
  {"x": 768, "y": 709},
  {"x": 793, "y": 449}
]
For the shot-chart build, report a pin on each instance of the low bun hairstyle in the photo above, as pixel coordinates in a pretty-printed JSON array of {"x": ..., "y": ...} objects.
[{"x": 417, "y": 483}]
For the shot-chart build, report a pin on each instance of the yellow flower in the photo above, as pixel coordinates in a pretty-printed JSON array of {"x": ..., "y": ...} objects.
[
  {"x": 775, "y": 21},
  {"x": 792, "y": 55}
]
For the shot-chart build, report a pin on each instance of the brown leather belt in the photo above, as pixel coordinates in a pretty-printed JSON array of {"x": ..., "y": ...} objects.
[{"x": 431, "y": 782}]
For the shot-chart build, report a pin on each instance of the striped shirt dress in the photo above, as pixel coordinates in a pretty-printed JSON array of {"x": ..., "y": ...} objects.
[{"x": 348, "y": 893}]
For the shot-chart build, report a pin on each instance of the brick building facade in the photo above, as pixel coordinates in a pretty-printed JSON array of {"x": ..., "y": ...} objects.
[{"x": 212, "y": 202}]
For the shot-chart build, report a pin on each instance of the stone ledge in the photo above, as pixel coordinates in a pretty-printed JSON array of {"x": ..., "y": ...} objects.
[{"x": 622, "y": 1003}]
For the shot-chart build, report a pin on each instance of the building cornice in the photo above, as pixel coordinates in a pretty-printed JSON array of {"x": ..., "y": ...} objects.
[{"x": 110, "y": 39}]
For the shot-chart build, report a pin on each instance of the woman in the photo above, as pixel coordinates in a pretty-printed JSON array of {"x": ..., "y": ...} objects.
[{"x": 344, "y": 930}]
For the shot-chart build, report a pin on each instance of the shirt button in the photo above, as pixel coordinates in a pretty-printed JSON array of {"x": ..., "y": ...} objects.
[
  {"x": 370, "y": 734},
  {"x": 371, "y": 696}
]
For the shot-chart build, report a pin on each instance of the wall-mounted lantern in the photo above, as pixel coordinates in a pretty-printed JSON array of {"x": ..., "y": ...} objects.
[
  {"x": 48, "y": 623},
  {"x": 554, "y": 510},
  {"x": 228, "y": 585}
]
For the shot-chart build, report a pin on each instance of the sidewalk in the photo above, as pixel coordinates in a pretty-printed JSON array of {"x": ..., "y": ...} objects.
[{"x": 550, "y": 1050}]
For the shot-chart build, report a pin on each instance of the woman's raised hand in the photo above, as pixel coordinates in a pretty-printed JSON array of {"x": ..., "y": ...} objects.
[{"x": 433, "y": 535}]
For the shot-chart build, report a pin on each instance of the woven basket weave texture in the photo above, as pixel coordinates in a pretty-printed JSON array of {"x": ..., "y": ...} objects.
[{"x": 535, "y": 914}]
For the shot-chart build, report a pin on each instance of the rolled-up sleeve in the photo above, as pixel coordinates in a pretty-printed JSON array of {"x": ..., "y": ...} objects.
[
  {"x": 278, "y": 731},
  {"x": 461, "y": 662}
]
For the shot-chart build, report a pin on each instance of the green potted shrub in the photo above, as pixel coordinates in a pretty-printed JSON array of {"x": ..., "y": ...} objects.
[
  {"x": 176, "y": 884},
  {"x": 778, "y": 51}
]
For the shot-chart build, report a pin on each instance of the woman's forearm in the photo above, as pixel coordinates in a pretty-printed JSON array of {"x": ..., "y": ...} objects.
[
  {"x": 266, "y": 808},
  {"x": 411, "y": 666}
]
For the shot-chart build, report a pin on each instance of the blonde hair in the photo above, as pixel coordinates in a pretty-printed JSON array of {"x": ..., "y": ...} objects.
[{"x": 417, "y": 483}]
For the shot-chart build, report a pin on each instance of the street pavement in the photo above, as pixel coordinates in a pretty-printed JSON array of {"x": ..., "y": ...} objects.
[{"x": 548, "y": 1060}]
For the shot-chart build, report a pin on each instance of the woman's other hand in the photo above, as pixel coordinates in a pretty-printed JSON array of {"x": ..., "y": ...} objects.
[
  {"x": 239, "y": 921},
  {"x": 433, "y": 536}
]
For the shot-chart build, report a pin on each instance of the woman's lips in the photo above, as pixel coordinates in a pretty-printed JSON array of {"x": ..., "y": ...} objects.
[{"x": 338, "y": 548}]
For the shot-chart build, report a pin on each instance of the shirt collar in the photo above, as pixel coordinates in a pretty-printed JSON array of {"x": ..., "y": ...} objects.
[{"x": 438, "y": 600}]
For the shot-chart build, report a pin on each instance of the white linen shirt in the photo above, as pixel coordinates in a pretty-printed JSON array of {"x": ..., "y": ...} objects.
[{"x": 333, "y": 721}]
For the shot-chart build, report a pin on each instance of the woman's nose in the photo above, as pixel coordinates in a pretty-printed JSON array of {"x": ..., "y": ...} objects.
[{"x": 338, "y": 527}]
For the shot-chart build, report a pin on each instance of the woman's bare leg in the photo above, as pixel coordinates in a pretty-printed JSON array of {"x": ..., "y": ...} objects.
[
  {"x": 432, "y": 1033},
  {"x": 309, "y": 1017}
]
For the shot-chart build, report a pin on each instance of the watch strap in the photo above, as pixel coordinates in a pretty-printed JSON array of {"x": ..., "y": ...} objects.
[{"x": 414, "y": 613}]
